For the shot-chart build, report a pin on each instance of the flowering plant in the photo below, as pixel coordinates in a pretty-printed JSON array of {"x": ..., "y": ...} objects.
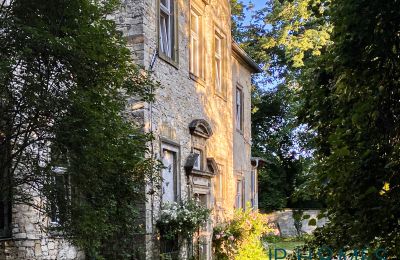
[
  {"x": 182, "y": 218},
  {"x": 240, "y": 238}
]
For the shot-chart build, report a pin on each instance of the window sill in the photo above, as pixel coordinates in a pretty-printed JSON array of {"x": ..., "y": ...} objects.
[
  {"x": 170, "y": 61},
  {"x": 197, "y": 79}
]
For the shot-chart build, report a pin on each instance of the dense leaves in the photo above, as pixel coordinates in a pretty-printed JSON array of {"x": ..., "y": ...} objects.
[
  {"x": 351, "y": 99},
  {"x": 343, "y": 58},
  {"x": 65, "y": 75}
]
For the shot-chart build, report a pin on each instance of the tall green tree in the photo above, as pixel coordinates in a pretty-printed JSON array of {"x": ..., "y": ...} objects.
[
  {"x": 344, "y": 57},
  {"x": 276, "y": 133},
  {"x": 65, "y": 77},
  {"x": 351, "y": 96}
]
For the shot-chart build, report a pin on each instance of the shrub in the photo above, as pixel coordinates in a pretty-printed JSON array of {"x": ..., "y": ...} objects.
[
  {"x": 181, "y": 218},
  {"x": 240, "y": 238}
]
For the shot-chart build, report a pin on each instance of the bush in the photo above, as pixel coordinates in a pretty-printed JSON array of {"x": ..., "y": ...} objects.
[
  {"x": 240, "y": 238},
  {"x": 182, "y": 219}
]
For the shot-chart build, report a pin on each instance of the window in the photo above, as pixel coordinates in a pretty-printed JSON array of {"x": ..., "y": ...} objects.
[
  {"x": 5, "y": 204},
  {"x": 199, "y": 160},
  {"x": 239, "y": 109},
  {"x": 253, "y": 187},
  {"x": 196, "y": 47},
  {"x": 60, "y": 194},
  {"x": 5, "y": 214},
  {"x": 218, "y": 63},
  {"x": 239, "y": 194},
  {"x": 167, "y": 29},
  {"x": 170, "y": 179}
]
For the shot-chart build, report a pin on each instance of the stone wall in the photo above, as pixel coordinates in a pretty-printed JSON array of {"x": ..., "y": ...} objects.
[
  {"x": 285, "y": 223},
  {"x": 30, "y": 241}
]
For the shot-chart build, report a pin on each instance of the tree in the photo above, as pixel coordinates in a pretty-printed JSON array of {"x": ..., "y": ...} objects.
[
  {"x": 276, "y": 133},
  {"x": 65, "y": 76},
  {"x": 350, "y": 99}
]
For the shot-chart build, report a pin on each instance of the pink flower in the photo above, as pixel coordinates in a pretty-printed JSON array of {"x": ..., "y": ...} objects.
[
  {"x": 231, "y": 238},
  {"x": 217, "y": 236}
]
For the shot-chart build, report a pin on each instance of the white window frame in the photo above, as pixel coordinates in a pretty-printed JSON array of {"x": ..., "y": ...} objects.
[
  {"x": 196, "y": 43},
  {"x": 176, "y": 174},
  {"x": 239, "y": 194},
  {"x": 218, "y": 62},
  {"x": 239, "y": 108},
  {"x": 167, "y": 29}
]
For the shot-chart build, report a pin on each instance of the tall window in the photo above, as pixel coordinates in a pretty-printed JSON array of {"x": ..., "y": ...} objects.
[
  {"x": 5, "y": 188},
  {"x": 196, "y": 62},
  {"x": 253, "y": 187},
  {"x": 239, "y": 194},
  {"x": 60, "y": 193},
  {"x": 169, "y": 174},
  {"x": 218, "y": 63},
  {"x": 167, "y": 30},
  {"x": 5, "y": 214},
  {"x": 239, "y": 109}
]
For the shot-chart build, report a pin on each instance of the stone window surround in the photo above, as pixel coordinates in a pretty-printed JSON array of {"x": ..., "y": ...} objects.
[
  {"x": 219, "y": 33},
  {"x": 166, "y": 144},
  {"x": 239, "y": 126},
  {"x": 198, "y": 75},
  {"x": 174, "y": 61},
  {"x": 242, "y": 192}
]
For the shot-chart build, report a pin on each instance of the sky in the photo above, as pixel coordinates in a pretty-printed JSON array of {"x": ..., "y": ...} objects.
[{"x": 258, "y": 4}]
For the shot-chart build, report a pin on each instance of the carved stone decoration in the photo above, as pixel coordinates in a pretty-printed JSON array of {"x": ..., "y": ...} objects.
[
  {"x": 212, "y": 166},
  {"x": 200, "y": 127}
]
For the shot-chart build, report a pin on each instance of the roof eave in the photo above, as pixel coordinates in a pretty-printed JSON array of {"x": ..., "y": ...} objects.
[{"x": 246, "y": 58}]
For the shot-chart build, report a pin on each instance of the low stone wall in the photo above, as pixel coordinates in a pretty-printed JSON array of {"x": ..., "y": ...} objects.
[
  {"x": 30, "y": 241},
  {"x": 38, "y": 249},
  {"x": 284, "y": 222}
]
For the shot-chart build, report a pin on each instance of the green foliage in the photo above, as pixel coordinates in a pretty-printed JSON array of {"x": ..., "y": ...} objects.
[
  {"x": 274, "y": 40},
  {"x": 182, "y": 218},
  {"x": 276, "y": 137},
  {"x": 350, "y": 99},
  {"x": 241, "y": 237},
  {"x": 299, "y": 28},
  {"x": 65, "y": 77}
]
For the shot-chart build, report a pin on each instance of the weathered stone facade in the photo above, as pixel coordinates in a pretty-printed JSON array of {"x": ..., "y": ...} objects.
[
  {"x": 188, "y": 117},
  {"x": 29, "y": 240}
]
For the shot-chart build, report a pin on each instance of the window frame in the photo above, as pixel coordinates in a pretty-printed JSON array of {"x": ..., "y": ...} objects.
[
  {"x": 200, "y": 159},
  {"x": 59, "y": 172},
  {"x": 198, "y": 75},
  {"x": 174, "y": 59},
  {"x": 221, "y": 57},
  {"x": 6, "y": 200},
  {"x": 239, "y": 114},
  {"x": 239, "y": 194},
  {"x": 253, "y": 186},
  {"x": 173, "y": 148},
  {"x": 6, "y": 194}
]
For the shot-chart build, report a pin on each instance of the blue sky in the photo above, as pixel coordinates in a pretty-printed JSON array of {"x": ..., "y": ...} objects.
[{"x": 258, "y": 4}]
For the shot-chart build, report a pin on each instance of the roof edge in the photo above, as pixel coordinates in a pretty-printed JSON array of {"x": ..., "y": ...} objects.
[{"x": 245, "y": 57}]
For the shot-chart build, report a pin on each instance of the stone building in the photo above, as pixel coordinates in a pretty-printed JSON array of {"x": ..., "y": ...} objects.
[{"x": 201, "y": 120}]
